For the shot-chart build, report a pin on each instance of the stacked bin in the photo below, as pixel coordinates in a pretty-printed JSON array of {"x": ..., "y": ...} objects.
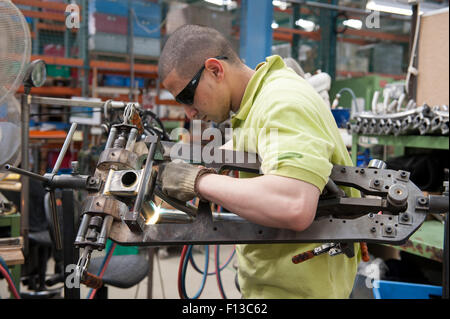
[
  {"x": 108, "y": 26},
  {"x": 146, "y": 27}
]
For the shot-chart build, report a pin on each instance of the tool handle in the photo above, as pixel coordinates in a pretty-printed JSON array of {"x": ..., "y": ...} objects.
[
  {"x": 303, "y": 257},
  {"x": 364, "y": 252},
  {"x": 64, "y": 148}
]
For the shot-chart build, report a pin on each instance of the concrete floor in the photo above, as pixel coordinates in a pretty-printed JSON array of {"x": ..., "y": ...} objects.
[{"x": 165, "y": 277}]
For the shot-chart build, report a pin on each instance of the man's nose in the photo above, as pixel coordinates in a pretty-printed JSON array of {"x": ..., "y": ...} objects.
[{"x": 190, "y": 111}]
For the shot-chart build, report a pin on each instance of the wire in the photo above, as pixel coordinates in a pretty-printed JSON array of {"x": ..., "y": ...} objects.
[
  {"x": 160, "y": 277},
  {"x": 354, "y": 100},
  {"x": 182, "y": 274},
  {"x": 219, "y": 280},
  {"x": 164, "y": 136},
  {"x": 186, "y": 256},
  {"x": 180, "y": 270},
  {"x": 5, "y": 272},
  {"x": 102, "y": 269},
  {"x": 194, "y": 265}
]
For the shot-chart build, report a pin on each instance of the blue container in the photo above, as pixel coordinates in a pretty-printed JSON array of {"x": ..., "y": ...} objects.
[
  {"x": 114, "y": 80},
  {"x": 140, "y": 81},
  {"x": 116, "y": 7},
  {"x": 146, "y": 8},
  {"x": 58, "y": 125},
  {"x": 341, "y": 116},
  {"x": 383, "y": 289},
  {"x": 146, "y": 26}
]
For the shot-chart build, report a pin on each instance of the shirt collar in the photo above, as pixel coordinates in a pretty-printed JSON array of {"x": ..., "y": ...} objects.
[{"x": 253, "y": 87}]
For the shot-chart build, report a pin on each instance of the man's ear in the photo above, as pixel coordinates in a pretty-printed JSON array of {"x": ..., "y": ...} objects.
[{"x": 216, "y": 68}]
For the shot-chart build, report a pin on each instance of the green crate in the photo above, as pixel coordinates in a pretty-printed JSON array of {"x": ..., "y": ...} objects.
[
  {"x": 122, "y": 250},
  {"x": 58, "y": 71}
]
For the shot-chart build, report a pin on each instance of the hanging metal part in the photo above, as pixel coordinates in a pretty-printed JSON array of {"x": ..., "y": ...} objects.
[{"x": 422, "y": 120}]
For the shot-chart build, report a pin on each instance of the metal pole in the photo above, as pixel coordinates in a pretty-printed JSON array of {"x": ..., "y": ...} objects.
[
  {"x": 67, "y": 34},
  {"x": 71, "y": 254},
  {"x": 256, "y": 31},
  {"x": 84, "y": 33},
  {"x": 295, "y": 37},
  {"x": 413, "y": 80},
  {"x": 327, "y": 48},
  {"x": 131, "y": 18},
  {"x": 74, "y": 103},
  {"x": 445, "y": 261},
  {"x": 151, "y": 254},
  {"x": 25, "y": 173},
  {"x": 25, "y": 192},
  {"x": 65, "y": 146}
]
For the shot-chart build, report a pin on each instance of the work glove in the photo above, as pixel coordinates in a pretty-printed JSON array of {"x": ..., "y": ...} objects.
[{"x": 179, "y": 180}]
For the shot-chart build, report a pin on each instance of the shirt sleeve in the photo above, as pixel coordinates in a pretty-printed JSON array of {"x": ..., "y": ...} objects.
[{"x": 292, "y": 142}]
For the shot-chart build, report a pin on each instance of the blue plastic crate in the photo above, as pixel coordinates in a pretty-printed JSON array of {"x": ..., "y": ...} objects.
[
  {"x": 140, "y": 81},
  {"x": 341, "y": 116},
  {"x": 116, "y": 7},
  {"x": 57, "y": 125},
  {"x": 384, "y": 289},
  {"x": 106, "y": 42},
  {"x": 147, "y": 46},
  {"x": 146, "y": 8},
  {"x": 146, "y": 26},
  {"x": 114, "y": 80}
]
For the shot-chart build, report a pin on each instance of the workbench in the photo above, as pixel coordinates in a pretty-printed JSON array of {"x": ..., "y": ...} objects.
[
  {"x": 13, "y": 255},
  {"x": 399, "y": 142},
  {"x": 427, "y": 241}
]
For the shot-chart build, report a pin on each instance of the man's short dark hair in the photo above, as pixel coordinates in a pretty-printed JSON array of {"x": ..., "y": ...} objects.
[{"x": 189, "y": 47}]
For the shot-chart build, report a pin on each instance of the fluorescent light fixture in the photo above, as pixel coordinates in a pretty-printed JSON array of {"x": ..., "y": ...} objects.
[
  {"x": 219, "y": 2},
  {"x": 353, "y": 23},
  {"x": 390, "y": 7},
  {"x": 401, "y": 7},
  {"x": 230, "y": 4},
  {"x": 275, "y": 25},
  {"x": 280, "y": 4},
  {"x": 306, "y": 24}
]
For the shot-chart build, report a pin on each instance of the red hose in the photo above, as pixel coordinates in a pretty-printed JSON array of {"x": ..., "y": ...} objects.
[
  {"x": 180, "y": 270},
  {"x": 104, "y": 268},
  {"x": 12, "y": 287}
]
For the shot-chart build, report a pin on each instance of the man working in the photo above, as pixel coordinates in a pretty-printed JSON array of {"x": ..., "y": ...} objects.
[{"x": 199, "y": 67}]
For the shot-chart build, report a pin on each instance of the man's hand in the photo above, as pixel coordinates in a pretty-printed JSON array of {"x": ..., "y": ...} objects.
[{"x": 179, "y": 180}]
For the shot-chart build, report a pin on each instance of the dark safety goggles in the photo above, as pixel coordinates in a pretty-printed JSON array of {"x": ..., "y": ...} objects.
[{"x": 186, "y": 96}]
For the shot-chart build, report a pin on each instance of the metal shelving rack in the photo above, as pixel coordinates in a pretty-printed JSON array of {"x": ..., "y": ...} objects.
[{"x": 400, "y": 142}]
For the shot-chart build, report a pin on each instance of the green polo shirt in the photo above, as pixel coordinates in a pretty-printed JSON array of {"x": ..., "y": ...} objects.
[{"x": 285, "y": 121}]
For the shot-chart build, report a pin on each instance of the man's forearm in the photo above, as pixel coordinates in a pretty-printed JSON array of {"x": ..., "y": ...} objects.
[{"x": 267, "y": 200}]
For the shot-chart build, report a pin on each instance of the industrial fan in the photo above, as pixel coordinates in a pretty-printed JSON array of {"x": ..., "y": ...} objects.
[
  {"x": 15, "y": 49},
  {"x": 15, "y": 52},
  {"x": 9, "y": 132}
]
